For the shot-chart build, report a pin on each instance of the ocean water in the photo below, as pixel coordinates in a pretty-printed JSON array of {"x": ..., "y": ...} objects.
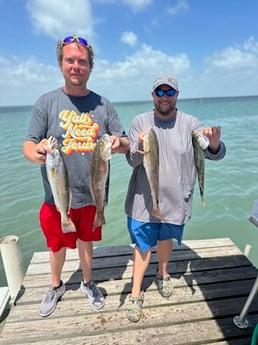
[{"x": 231, "y": 185}]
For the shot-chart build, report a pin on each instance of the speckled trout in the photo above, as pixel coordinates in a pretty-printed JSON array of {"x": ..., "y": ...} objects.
[
  {"x": 200, "y": 143},
  {"x": 151, "y": 165},
  {"x": 98, "y": 176},
  {"x": 58, "y": 180}
]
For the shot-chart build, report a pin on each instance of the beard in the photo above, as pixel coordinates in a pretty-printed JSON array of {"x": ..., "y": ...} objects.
[{"x": 164, "y": 110}]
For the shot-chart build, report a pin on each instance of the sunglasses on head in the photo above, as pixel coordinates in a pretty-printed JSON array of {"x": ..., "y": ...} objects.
[
  {"x": 161, "y": 93},
  {"x": 70, "y": 39}
]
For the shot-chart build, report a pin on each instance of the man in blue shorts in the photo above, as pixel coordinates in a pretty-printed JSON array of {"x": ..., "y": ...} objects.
[{"x": 177, "y": 176}]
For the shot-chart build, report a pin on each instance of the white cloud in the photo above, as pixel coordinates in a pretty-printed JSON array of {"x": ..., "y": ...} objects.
[
  {"x": 24, "y": 80},
  {"x": 229, "y": 72},
  {"x": 105, "y": 2},
  {"x": 235, "y": 58},
  {"x": 137, "y": 5},
  {"x": 57, "y": 18},
  {"x": 251, "y": 45},
  {"x": 131, "y": 79},
  {"x": 178, "y": 8},
  {"x": 129, "y": 37}
]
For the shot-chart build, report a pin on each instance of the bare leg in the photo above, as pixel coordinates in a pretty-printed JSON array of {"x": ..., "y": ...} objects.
[
  {"x": 164, "y": 250},
  {"x": 56, "y": 291},
  {"x": 141, "y": 262},
  {"x": 85, "y": 250},
  {"x": 57, "y": 260}
]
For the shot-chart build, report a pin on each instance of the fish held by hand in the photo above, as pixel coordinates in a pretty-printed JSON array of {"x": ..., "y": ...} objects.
[
  {"x": 200, "y": 143},
  {"x": 58, "y": 180},
  {"x": 151, "y": 165},
  {"x": 99, "y": 171}
]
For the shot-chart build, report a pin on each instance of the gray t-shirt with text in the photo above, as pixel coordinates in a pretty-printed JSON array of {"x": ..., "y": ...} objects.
[{"x": 77, "y": 123}]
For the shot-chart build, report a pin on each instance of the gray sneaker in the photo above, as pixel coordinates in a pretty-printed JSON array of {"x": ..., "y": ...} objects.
[
  {"x": 51, "y": 299},
  {"x": 96, "y": 298}
]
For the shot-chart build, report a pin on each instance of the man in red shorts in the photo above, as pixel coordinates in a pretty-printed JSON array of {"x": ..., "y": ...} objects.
[{"x": 77, "y": 117}]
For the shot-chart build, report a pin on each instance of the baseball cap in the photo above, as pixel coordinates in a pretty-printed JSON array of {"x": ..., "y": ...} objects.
[{"x": 167, "y": 79}]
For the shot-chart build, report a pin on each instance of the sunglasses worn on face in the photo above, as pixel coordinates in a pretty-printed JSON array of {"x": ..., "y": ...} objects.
[
  {"x": 70, "y": 39},
  {"x": 161, "y": 93}
]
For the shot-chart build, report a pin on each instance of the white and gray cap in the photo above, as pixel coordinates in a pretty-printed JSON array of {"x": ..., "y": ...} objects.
[{"x": 167, "y": 79}]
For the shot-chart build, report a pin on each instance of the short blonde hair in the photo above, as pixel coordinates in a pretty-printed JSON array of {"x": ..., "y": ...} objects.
[{"x": 74, "y": 39}]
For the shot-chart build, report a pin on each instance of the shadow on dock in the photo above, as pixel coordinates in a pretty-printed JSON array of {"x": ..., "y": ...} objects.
[{"x": 212, "y": 280}]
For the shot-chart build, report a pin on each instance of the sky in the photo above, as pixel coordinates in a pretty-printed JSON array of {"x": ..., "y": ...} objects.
[{"x": 210, "y": 46}]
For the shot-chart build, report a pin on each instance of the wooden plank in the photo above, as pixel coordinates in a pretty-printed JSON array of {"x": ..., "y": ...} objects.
[
  {"x": 115, "y": 285},
  {"x": 115, "y": 260},
  {"x": 110, "y": 339},
  {"x": 116, "y": 301},
  {"x": 128, "y": 249},
  {"x": 211, "y": 270},
  {"x": 116, "y": 330}
]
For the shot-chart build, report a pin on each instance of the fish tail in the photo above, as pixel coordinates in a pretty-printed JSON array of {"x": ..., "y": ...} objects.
[
  {"x": 67, "y": 225},
  {"x": 203, "y": 202},
  {"x": 157, "y": 213}
]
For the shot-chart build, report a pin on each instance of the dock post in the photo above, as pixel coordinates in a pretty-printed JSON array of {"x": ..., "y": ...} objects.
[{"x": 13, "y": 263}]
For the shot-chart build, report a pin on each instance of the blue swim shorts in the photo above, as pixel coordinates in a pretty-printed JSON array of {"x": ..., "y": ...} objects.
[{"x": 146, "y": 235}]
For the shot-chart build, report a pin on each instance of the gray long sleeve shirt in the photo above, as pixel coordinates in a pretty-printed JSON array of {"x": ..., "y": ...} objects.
[{"x": 177, "y": 172}]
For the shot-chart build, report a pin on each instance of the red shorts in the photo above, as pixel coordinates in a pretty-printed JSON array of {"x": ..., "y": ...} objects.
[{"x": 50, "y": 222}]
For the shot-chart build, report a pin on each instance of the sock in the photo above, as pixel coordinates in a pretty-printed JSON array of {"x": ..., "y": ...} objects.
[{"x": 57, "y": 287}]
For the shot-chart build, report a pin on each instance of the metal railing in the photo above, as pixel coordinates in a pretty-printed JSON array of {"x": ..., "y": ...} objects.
[{"x": 241, "y": 320}]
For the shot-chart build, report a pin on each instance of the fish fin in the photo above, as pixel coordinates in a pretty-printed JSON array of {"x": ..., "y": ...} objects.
[
  {"x": 203, "y": 203},
  {"x": 105, "y": 169},
  {"x": 52, "y": 173},
  {"x": 140, "y": 151},
  {"x": 67, "y": 225}
]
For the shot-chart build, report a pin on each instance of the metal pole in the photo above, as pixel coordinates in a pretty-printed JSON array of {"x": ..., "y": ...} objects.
[{"x": 241, "y": 321}]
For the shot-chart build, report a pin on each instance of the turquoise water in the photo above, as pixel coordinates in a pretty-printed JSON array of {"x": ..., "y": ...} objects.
[{"x": 231, "y": 184}]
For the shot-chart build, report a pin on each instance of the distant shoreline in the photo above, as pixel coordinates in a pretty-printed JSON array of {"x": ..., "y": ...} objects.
[{"x": 29, "y": 107}]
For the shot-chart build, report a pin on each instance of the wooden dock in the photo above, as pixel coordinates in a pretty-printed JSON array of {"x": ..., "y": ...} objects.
[{"x": 212, "y": 280}]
